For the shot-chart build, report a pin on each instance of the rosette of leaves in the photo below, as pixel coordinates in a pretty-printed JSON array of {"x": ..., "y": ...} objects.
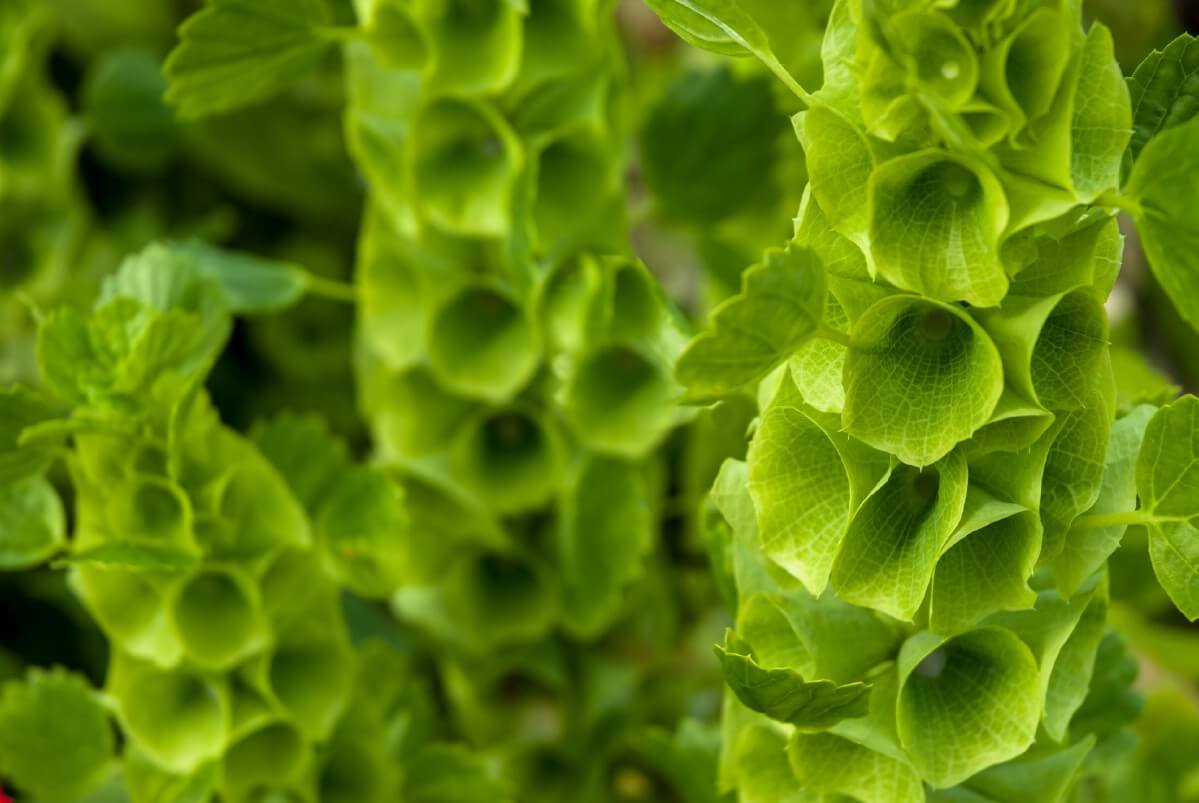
[{"x": 939, "y": 471}]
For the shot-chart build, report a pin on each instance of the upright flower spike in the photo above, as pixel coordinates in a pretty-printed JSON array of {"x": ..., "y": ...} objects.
[{"x": 944, "y": 452}]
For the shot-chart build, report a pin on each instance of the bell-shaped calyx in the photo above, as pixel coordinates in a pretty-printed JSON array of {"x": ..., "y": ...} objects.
[
  {"x": 936, "y": 220},
  {"x": 806, "y": 479},
  {"x": 895, "y": 538},
  {"x": 465, "y": 162},
  {"x": 511, "y": 458},
  {"x": 1002, "y": 536},
  {"x": 966, "y": 703},
  {"x": 1052, "y": 346},
  {"x": 618, "y": 387},
  {"x": 482, "y": 344},
  {"x": 218, "y": 616},
  {"x": 920, "y": 377},
  {"x": 1022, "y": 72},
  {"x": 178, "y": 717}
]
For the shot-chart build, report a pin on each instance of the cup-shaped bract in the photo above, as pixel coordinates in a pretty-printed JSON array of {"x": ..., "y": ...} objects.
[
  {"x": 895, "y": 537},
  {"x": 510, "y": 457},
  {"x": 474, "y": 46},
  {"x": 411, "y": 414},
  {"x": 828, "y": 764},
  {"x": 152, "y": 509},
  {"x": 604, "y": 531},
  {"x": 966, "y": 703},
  {"x": 351, "y": 771},
  {"x": 131, "y": 609},
  {"x": 311, "y": 678},
  {"x": 1022, "y": 73},
  {"x": 806, "y": 479},
  {"x": 179, "y": 717},
  {"x": 936, "y": 223},
  {"x": 466, "y": 162},
  {"x": 618, "y": 399},
  {"x": 501, "y": 598},
  {"x": 1053, "y": 346},
  {"x": 256, "y": 512},
  {"x": 943, "y": 58},
  {"x": 272, "y": 757},
  {"x": 218, "y": 616},
  {"x": 574, "y": 200},
  {"x": 482, "y": 344},
  {"x": 920, "y": 378},
  {"x": 32, "y": 521}
]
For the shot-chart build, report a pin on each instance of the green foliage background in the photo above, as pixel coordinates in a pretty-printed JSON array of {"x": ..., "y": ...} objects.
[{"x": 401, "y": 397}]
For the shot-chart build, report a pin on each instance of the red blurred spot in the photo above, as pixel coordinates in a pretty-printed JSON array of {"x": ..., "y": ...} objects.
[{"x": 4, "y": 798}]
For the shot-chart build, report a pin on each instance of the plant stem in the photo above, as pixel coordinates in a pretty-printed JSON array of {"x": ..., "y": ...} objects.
[
  {"x": 328, "y": 288},
  {"x": 1099, "y": 521},
  {"x": 1121, "y": 202},
  {"x": 829, "y": 333}
]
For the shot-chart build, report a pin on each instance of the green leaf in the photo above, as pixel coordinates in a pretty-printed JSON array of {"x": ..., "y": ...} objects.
[
  {"x": 219, "y": 616},
  {"x": 823, "y": 637},
  {"x": 779, "y": 308},
  {"x": 1073, "y": 469},
  {"x": 920, "y": 378},
  {"x": 358, "y": 527},
  {"x": 896, "y": 536},
  {"x": 22, "y": 408},
  {"x": 729, "y": 167},
  {"x": 1063, "y": 635},
  {"x": 976, "y": 692},
  {"x": 394, "y": 34},
  {"x": 56, "y": 742},
  {"x": 251, "y": 283},
  {"x": 306, "y": 453},
  {"x": 774, "y": 32},
  {"x": 1164, "y": 91},
  {"x": 936, "y": 219},
  {"x": 783, "y": 694},
  {"x": 149, "y": 783},
  {"x": 1022, "y": 73},
  {"x": 236, "y": 52},
  {"x": 131, "y": 125},
  {"x": 1164, "y": 216},
  {"x": 1086, "y": 550},
  {"x": 32, "y": 523},
  {"x": 1103, "y": 121},
  {"x": 1168, "y": 483}
]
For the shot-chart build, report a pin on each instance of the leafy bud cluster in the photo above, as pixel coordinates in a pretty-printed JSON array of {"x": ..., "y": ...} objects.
[{"x": 942, "y": 464}]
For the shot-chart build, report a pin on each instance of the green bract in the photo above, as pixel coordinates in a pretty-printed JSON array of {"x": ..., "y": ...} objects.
[
  {"x": 358, "y": 442},
  {"x": 946, "y": 450}
]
